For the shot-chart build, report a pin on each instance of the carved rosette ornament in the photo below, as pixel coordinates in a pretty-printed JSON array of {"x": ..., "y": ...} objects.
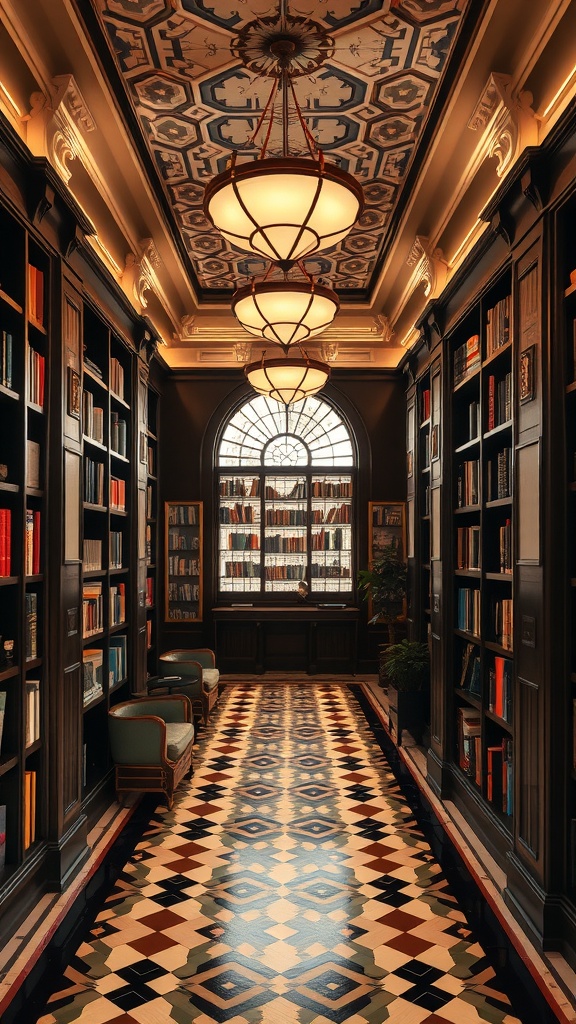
[
  {"x": 57, "y": 124},
  {"x": 139, "y": 274},
  {"x": 507, "y": 122},
  {"x": 430, "y": 267}
]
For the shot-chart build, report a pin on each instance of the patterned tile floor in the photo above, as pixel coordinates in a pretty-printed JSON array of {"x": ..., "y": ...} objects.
[{"x": 290, "y": 883}]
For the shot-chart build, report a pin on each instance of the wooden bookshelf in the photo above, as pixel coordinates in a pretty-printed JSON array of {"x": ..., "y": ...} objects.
[
  {"x": 183, "y": 549},
  {"x": 481, "y": 556}
]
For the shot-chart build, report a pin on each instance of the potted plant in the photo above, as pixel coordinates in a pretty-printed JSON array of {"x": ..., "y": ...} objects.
[
  {"x": 384, "y": 584},
  {"x": 408, "y": 670}
]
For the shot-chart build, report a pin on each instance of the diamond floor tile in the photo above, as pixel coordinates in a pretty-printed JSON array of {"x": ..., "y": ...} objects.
[{"x": 290, "y": 882}]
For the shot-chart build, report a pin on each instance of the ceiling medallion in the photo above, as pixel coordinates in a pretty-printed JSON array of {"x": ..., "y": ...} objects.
[{"x": 256, "y": 45}]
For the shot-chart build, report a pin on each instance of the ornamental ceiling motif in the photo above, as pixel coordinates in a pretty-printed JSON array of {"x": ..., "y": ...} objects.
[{"x": 190, "y": 70}]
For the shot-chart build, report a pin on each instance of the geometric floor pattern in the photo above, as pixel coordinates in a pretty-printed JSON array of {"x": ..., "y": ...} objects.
[{"x": 289, "y": 884}]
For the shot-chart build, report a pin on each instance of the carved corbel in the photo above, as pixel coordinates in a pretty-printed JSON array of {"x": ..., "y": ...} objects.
[
  {"x": 383, "y": 328},
  {"x": 507, "y": 122},
  {"x": 187, "y": 329},
  {"x": 148, "y": 345},
  {"x": 139, "y": 274},
  {"x": 57, "y": 123},
  {"x": 429, "y": 265}
]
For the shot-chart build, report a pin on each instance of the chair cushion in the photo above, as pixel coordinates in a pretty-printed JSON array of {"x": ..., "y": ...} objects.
[
  {"x": 210, "y": 677},
  {"x": 178, "y": 736}
]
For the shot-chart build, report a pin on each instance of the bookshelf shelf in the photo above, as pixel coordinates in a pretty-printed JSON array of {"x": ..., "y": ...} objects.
[
  {"x": 93, "y": 443},
  {"x": 9, "y": 393},
  {"x": 472, "y": 443},
  {"x": 10, "y": 488},
  {"x": 474, "y": 574},
  {"x": 9, "y": 581},
  {"x": 466, "y": 509},
  {"x": 475, "y": 702},
  {"x": 94, "y": 378},
  {"x": 4, "y": 297},
  {"x": 499, "y": 353},
  {"x": 505, "y": 652},
  {"x": 7, "y": 764},
  {"x": 501, "y": 428},
  {"x": 506, "y": 726}
]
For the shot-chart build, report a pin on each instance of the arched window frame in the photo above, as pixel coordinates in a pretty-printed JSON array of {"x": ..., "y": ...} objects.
[{"x": 289, "y": 517}]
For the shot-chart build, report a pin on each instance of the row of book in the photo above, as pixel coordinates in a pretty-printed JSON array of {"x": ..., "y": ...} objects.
[
  {"x": 92, "y": 674},
  {"x": 425, "y": 405},
  {"x": 149, "y": 591},
  {"x": 385, "y": 515},
  {"x": 35, "y": 295},
  {"x": 499, "y": 763},
  {"x": 117, "y": 604},
  {"x": 178, "y": 566},
  {"x": 499, "y": 475},
  {"x": 6, "y": 350},
  {"x": 150, "y": 504},
  {"x": 182, "y": 515},
  {"x": 177, "y": 614},
  {"x": 282, "y": 489},
  {"x": 118, "y": 434},
  {"x": 505, "y": 546},
  {"x": 92, "y": 418},
  {"x": 92, "y": 608},
  {"x": 331, "y": 540},
  {"x": 468, "y": 610},
  {"x": 498, "y": 326},
  {"x": 92, "y": 552},
  {"x": 150, "y": 460},
  {"x": 32, "y": 711},
  {"x": 335, "y": 514},
  {"x": 242, "y": 570},
  {"x": 500, "y": 678},
  {"x": 468, "y": 547},
  {"x": 238, "y": 513},
  {"x": 338, "y": 571},
  {"x": 117, "y": 377},
  {"x": 239, "y": 487},
  {"x": 93, "y": 482},
  {"x": 32, "y": 464},
  {"x": 35, "y": 382},
  {"x": 178, "y": 541},
  {"x": 466, "y": 359},
  {"x": 183, "y": 591},
  {"x": 117, "y": 493},
  {"x": 468, "y": 483},
  {"x": 502, "y": 621},
  {"x": 29, "y": 808},
  {"x": 243, "y": 542},
  {"x": 283, "y": 572},
  {"x": 331, "y": 489},
  {"x": 30, "y": 625},
  {"x": 32, "y": 542},
  {"x": 5, "y": 541},
  {"x": 499, "y": 401},
  {"x": 277, "y": 544},
  {"x": 285, "y": 517}
]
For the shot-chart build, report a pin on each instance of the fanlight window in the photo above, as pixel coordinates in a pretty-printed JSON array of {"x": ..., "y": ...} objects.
[
  {"x": 257, "y": 434},
  {"x": 285, "y": 486}
]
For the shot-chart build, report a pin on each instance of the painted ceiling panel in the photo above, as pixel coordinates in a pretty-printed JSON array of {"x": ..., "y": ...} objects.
[{"x": 191, "y": 72}]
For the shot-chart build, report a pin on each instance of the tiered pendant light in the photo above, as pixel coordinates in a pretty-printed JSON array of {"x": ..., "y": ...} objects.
[
  {"x": 287, "y": 379},
  {"x": 284, "y": 209},
  {"x": 285, "y": 312}
]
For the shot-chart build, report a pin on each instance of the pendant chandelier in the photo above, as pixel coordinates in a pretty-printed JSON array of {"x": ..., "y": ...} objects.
[
  {"x": 286, "y": 312},
  {"x": 287, "y": 379},
  {"x": 283, "y": 208}
]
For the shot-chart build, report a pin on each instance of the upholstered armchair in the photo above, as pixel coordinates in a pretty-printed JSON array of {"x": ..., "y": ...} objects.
[
  {"x": 151, "y": 744},
  {"x": 198, "y": 677}
]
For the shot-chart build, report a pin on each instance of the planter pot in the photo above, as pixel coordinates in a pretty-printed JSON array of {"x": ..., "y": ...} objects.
[{"x": 408, "y": 710}]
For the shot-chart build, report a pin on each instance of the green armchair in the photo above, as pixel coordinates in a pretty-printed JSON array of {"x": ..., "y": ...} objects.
[
  {"x": 151, "y": 744},
  {"x": 192, "y": 672}
]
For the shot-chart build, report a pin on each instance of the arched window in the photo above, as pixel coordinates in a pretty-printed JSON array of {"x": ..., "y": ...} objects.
[{"x": 286, "y": 484}]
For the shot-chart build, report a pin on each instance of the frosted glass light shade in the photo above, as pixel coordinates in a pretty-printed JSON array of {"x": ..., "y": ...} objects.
[
  {"x": 283, "y": 208},
  {"x": 285, "y": 312},
  {"x": 287, "y": 379}
]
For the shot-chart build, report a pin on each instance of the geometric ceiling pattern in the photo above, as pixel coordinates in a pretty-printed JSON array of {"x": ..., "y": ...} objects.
[{"x": 366, "y": 106}]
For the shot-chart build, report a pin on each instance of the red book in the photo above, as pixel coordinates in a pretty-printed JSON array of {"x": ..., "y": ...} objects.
[
  {"x": 36, "y": 545},
  {"x": 3, "y": 542}
]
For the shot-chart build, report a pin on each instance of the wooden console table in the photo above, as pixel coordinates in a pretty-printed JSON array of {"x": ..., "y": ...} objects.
[{"x": 252, "y": 638}]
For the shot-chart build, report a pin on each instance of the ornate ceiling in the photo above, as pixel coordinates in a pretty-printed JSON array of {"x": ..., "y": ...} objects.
[
  {"x": 191, "y": 72},
  {"x": 430, "y": 104}
]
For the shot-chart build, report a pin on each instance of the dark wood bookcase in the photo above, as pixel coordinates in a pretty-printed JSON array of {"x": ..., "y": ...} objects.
[
  {"x": 26, "y": 339},
  {"x": 149, "y": 454},
  {"x": 481, "y": 496}
]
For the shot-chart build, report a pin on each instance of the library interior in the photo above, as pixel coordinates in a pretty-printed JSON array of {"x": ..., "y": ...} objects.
[{"x": 287, "y": 511}]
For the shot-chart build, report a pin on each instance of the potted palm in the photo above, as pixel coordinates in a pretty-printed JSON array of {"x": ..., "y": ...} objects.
[
  {"x": 407, "y": 667},
  {"x": 384, "y": 584}
]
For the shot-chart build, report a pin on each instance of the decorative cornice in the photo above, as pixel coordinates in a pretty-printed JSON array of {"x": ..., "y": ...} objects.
[
  {"x": 57, "y": 124},
  {"x": 139, "y": 274},
  {"x": 506, "y": 122},
  {"x": 383, "y": 328},
  {"x": 187, "y": 330},
  {"x": 429, "y": 265}
]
